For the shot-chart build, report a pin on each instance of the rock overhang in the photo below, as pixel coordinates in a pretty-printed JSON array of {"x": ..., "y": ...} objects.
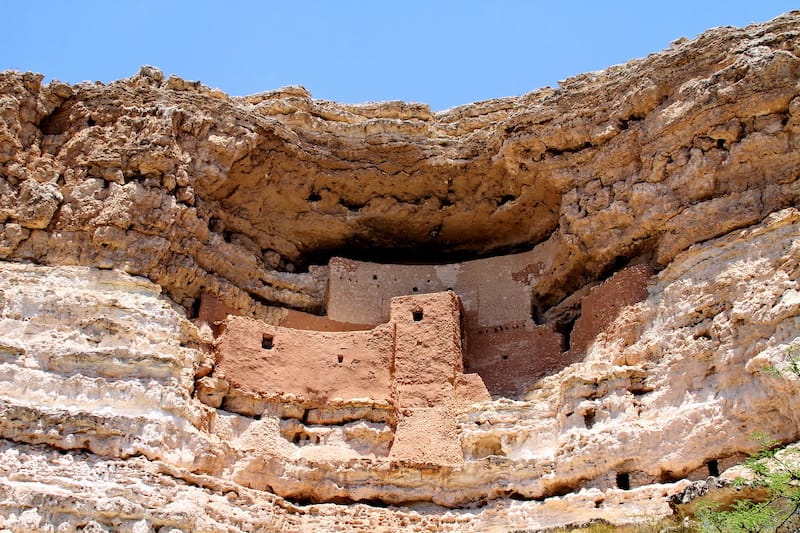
[{"x": 690, "y": 166}]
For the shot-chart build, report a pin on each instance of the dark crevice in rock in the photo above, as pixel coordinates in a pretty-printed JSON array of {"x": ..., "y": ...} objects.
[
  {"x": 395, "y": 252},
  {"x": 306, "y": 500},
  {"x": 553, "y": 152},
  {"x": 58, "y": 121}
]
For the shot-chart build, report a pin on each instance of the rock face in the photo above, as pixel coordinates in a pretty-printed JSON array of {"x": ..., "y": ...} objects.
[{"x": 518, "y": 314}]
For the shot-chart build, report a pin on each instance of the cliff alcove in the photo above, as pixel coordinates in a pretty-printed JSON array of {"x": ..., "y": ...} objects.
[{"x": 221, "y": 312}]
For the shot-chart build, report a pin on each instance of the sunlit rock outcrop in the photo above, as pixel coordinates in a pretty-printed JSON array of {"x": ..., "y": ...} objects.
[{"x": 279, "y": 313}]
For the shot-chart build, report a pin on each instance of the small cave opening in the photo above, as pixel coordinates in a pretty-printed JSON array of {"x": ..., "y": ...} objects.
[
  {"x": 589, "y": 418},
  {"x": 267, "y": 341},
  {"x": 194, "y": 310},
  {"x": 417, "y": 315},
  {"x": 215, "y": 225},
  {"x": 340, "y": 359},
  {"x": 90, "y": 121},
  {"x": 506, "y": 198},
  {"x": 713, "y": 468},
  {"x": 623, "y": 481}
]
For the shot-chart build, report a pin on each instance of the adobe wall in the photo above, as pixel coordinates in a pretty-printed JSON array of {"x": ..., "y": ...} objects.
[
  {"x": 429, "y": 379},
  {"x": 512, "y": 357},
  {"x": 300, "y": 320},
  {"x": 428, "y": 353},
  {"x": 602, "y": 304},
  {"x": 493, "y": 291},
  {"x": 213, "y": 312},
  {"x": 413, "y": 360},
  {"x": 314, "y": 366}
]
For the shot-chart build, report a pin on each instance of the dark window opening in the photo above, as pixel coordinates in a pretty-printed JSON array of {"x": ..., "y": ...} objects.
[
  {"x": 536, "y": 314},
  {"x": 415, "y": 289},
  {"x": 194, "y": 310},
  {"x": 417, "y": 315},
  {"x": 266, "y": 341},
  {"x": 588, "y": 419},
  {"x": 624, "y": 481},
  {"x": 713, "y": 468},
  {"x": 565, "y": 328},
  {"x": 340, "y": 358},
  {"x": 375, "y": 277}
]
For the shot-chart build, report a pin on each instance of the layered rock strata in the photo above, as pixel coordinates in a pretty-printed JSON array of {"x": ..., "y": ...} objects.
[
  {"x": 633, "y": 345},
  {"x": 195, "y": 190}
]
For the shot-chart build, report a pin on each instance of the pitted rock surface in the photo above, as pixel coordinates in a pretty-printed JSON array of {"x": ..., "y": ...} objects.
[{"x": 630, "y": 346}]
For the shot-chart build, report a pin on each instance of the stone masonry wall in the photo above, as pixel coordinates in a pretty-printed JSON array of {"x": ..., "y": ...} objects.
[{"x": 493, "y": 291}]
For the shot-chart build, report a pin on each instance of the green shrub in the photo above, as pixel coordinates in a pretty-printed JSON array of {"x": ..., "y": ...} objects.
[{"x": 772, "y": 469}]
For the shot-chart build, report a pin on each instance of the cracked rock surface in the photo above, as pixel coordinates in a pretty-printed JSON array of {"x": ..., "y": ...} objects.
[
  {"x": 192, "y": 189},
  {"x": 121, "y": 204}
]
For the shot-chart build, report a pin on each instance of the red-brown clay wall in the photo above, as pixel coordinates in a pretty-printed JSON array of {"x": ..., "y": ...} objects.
[
  {"x": 307, "y": 321},
  {"x": 415, "y": 360},
  {"x": 427, "y": 348},
  {"x": 213, "y": 312},
  {"x": 511, "y": 358},
  {"x": 604, "y": 302},
  {"x": 314, "y": 366}
]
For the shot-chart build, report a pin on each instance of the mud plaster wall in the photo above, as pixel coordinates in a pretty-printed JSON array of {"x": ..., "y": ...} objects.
[
  {"x": 427, "y": 349},
  {"x": 414, "y": 359},
  {"x": 493, "y": 291},
  {"x": 510, "y": 358},
  {"x": 314, "y": 366},
  {"x": 605, "y": 301},
  {"x": 213, "y": 312}
]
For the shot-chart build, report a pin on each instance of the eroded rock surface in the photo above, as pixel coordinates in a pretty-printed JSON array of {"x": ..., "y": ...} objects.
[
  {"x": 195, "y": 190},
  {"x": 628, "y": 349}
]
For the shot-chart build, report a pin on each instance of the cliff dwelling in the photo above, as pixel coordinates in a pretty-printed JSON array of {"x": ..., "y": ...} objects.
[
  {"x": 231, "y": 314},
  {"x": 498, "y": 337}
]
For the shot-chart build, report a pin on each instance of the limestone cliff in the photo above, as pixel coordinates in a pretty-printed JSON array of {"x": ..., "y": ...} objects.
[{"x": 565, "y": 300}]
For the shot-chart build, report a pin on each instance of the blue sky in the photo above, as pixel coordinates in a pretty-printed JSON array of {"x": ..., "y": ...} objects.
[{"x": 443, "y": 53}]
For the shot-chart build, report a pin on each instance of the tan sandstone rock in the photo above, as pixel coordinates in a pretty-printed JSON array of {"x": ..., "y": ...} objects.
[{"x": 279, "y": 313}]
